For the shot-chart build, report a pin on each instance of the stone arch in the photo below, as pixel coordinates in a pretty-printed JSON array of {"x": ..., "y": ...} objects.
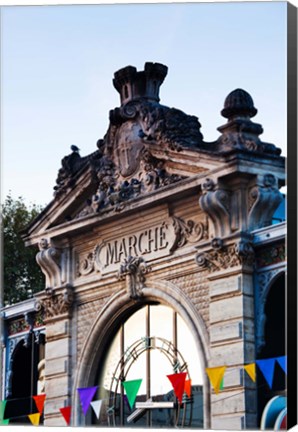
[{"x": 119, "y": 305}]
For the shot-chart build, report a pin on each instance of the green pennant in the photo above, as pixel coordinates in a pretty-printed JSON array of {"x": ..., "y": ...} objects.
[
  {"x": 2, "y": 410},
  {"x": 4, "y": 422},
  {"x": 221, "y": 384},
  {"x": 131, "y": 388}
]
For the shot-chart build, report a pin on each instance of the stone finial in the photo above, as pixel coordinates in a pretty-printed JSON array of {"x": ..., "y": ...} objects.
[
  {"x": 240, "y": 133},
  {"x": 238, "y": 103},
  {"x": 132, "y": 84}
]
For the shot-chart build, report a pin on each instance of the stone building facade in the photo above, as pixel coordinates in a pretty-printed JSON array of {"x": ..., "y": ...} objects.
[{"x": 155, "y": 235}]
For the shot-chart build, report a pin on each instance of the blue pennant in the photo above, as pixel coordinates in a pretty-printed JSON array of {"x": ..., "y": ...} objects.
[
  {"x": 282, "y": 361},
  {"x": 267, "y": 368}
]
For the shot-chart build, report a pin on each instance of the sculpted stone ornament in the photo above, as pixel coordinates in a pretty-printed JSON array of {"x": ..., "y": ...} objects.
[
  {"x": 188, "y": 231},
  {"x": 56, "y": 303},
  {"x": 133, "y": 270},
  {"x": 240, "y": 132},
  {"x": 48, "y": 258},
  {"x": 224, "y": 257},
  {"x": 215, "y": 202},
  {"x": 263, "y": 199}
]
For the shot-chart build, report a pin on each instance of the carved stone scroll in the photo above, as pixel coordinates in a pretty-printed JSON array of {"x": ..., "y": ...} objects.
[
  {"x": 48, "y": 258},
  {"x": 263, "y": 199},
  {"x": 215, "y": 202}
]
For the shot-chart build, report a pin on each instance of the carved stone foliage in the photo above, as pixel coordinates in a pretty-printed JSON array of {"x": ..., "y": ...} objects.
[
  {"x": 56, "y": 303},
  {"x": 224, "y": 257},
  {"x": 188, "y": 231},
  {"x": 263, "y": 200},
  {"x": 215, "y": 202},
  {"x": 133, "y": 270},
  {"x": 48, "y": 258}
]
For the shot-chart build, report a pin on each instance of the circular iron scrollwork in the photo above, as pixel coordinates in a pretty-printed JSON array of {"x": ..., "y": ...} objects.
[{"x": 181, "y": 414}]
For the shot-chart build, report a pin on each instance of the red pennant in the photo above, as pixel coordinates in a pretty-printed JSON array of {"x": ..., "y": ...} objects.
[
  {"x": 66, "y": 411},
  {"x": 39, "y": 402},
  {"x": 187, "y": 387},
  {"x": 178, "y": 383}
]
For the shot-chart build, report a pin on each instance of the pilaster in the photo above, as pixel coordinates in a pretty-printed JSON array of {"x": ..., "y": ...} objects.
[{"x": 232, "y": 339}]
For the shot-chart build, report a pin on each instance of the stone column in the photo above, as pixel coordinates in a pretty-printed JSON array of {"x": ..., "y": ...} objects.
[{"x": 231, "y": 331}]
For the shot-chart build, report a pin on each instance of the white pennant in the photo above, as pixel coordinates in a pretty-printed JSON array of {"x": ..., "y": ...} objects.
[{"x": 96, "y": 405}]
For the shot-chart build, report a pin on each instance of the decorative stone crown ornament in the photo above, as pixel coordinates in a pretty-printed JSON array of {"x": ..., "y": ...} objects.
[{"x": 240, "y": 132}]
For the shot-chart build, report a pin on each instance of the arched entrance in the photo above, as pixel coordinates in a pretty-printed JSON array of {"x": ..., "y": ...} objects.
[
  {"x": 149, "y": 339},
  {"x": 275, "y": 340}
]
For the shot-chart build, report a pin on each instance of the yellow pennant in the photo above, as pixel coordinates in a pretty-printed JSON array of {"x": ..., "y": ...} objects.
[
  {"x": 215, "y": 375},
  {"x": 34, "y": 418},
  {"x": 251, "y": 370}
]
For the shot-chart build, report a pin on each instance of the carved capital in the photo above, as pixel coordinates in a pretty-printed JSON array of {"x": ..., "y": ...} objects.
[
  {"x": 263, "y": 200},
  {"x": 215, "y": 202},
  {"x": 224, "y": 257},
  {"x": 55, "y": 304},
  {"x": 48, "y": 258},
  {"x": 133, "y": 270}
]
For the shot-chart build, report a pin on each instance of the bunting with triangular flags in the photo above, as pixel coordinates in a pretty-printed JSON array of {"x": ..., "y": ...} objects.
[
  {"x": 131, "y": 388},
  {"x": 39, "y": 402},
  {"x": 86, "y": 395},
  {"x": 66, "y": 411},
  {"x": 215, "y": 375},
  {"x": 178, "y": 383},
  {"x": 282, "y": 361},
  {"x": 187, "y": 387},
  {"x": 34, "y": 418},
  {"x": 96, "y": 406},
  {"x": 251, "y": 370},
  {"x": 266, "y": 366}
]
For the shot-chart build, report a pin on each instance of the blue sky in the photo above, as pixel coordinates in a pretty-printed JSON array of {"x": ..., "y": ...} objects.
[{"x": 58, "y": 63}]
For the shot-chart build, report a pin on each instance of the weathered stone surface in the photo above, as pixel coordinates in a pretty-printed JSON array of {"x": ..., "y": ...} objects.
[
  {"x": 86, "y": 314},
  {"x": 233, "y": 354},
  {"x": 226, "y": 285},
  {"x": 57, "y": 330},
  {"x": 231, "y": 308},
  {"x": 57, "y": 348},
  {"x": 58, "y": 387},
  {"x": 225, "y": 332},
  {"x": 56, "y": 366}
]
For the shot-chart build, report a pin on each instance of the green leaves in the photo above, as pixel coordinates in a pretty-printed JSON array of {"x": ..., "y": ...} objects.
[{"x": 21, "y": 275}]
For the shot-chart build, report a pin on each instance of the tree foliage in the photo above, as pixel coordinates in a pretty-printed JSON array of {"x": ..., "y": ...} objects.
[{"x": 22, "y": 276}]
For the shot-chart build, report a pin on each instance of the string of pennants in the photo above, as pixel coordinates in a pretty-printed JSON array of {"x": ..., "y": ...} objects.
[{"x": 179, "y": 383}]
